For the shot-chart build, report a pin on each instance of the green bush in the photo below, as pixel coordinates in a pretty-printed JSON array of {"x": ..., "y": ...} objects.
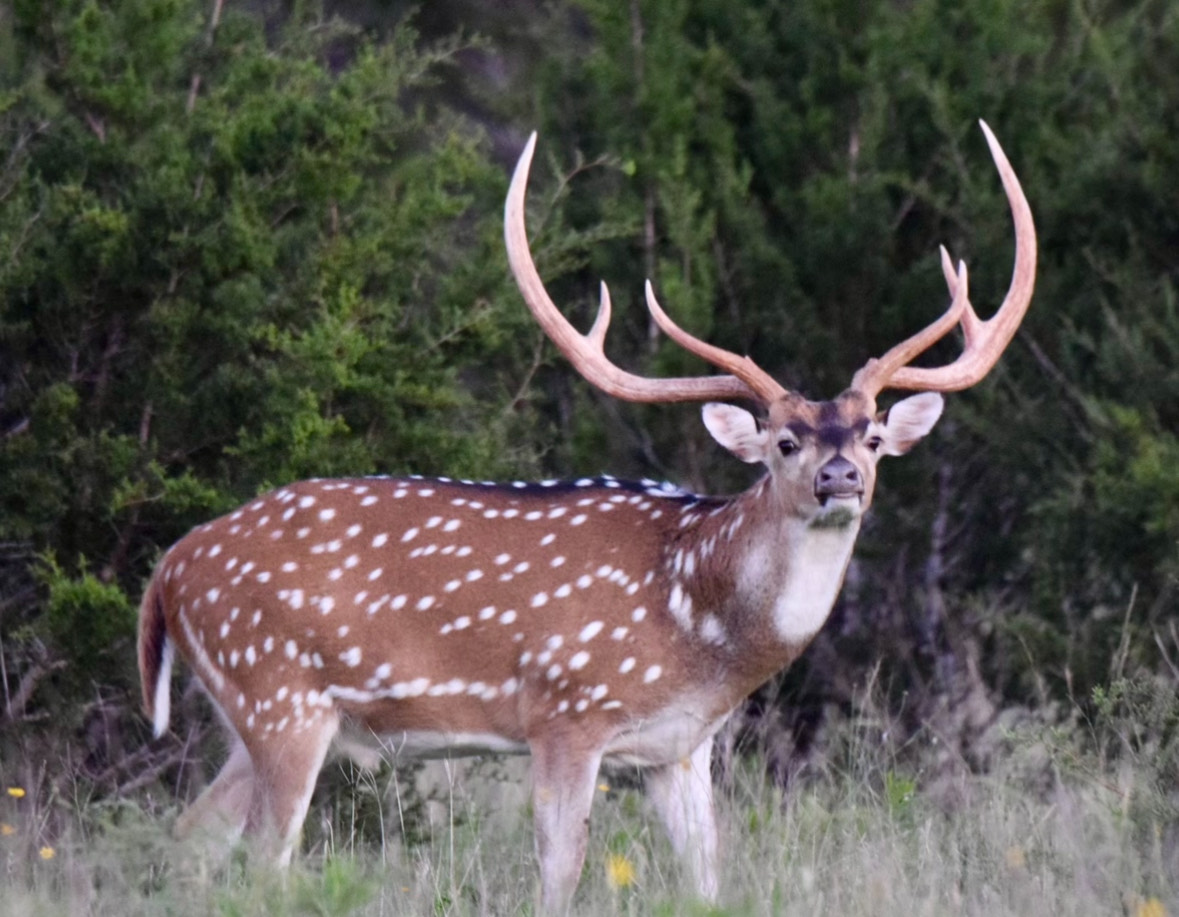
[{"x": 233, "y": 258}]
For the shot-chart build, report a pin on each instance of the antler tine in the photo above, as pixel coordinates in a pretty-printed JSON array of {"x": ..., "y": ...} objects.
[
  {"x": 761, "y": 382},
  {"x": 984, "y": 341},
  {"x": 876, "y": 373},
  {"x": 969, "y": 319},
  {"x": 585, "y": 351},
  {"x": 597, "y": 332}
]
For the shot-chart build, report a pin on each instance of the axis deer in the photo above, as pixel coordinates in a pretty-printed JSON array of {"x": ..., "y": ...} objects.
[{"x": 584, "y": 622}]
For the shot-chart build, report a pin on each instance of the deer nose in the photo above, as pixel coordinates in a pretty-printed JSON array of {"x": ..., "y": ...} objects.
[{"x": 838, "y": 478}]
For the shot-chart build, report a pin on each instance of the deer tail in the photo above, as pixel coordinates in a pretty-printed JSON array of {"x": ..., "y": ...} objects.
[{"x": 155, "y": 658}]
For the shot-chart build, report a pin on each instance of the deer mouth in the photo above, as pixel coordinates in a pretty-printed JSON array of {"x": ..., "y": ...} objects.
[{"x": 848, "y": 500}]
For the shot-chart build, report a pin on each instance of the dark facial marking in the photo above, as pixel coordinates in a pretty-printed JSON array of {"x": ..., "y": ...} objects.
[
  {"x": 834, "y": 424},
  {"x": 839, "y": 435},
  {"x": 829, "y": 413},
  {"x": 835, "y": 436}
]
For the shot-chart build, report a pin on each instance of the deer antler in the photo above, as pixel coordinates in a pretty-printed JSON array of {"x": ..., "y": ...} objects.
[
  {"x": 984, "y": 341},
  {"x": 746, "y": 379}
]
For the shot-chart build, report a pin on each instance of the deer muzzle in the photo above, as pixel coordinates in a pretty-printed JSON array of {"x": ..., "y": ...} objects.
[{"x": 838, "y": 478}]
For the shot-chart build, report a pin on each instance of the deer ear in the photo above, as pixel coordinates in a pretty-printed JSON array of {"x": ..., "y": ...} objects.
[
  {"x": 737, "y": 430},
  {"x": 909, "y": 420}
]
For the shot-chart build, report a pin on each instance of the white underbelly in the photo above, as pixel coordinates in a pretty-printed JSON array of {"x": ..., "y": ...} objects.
[
  {"x": 366, "y": 748},
  {"x": 666, "y": 737}
]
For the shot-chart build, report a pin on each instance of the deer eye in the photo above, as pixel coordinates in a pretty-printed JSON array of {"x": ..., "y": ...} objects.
[
  {"x": 787, "y": 446},
  {"x": 874, "y": 443}
]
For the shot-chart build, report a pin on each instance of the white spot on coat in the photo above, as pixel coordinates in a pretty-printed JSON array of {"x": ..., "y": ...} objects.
[{"x": 590, "y": 631}]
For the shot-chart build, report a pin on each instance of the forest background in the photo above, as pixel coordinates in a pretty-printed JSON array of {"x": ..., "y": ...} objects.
[{"x": 251, "y": 243}]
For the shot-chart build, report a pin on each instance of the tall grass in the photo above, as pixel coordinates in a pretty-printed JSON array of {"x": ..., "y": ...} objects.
[{"x": 1094, "y": 833}]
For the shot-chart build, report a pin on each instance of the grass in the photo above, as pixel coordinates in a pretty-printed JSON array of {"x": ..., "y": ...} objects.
[{"x": 1090, "y": 835}]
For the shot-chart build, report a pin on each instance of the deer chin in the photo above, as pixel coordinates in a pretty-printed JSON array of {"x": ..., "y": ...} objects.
[{"x": 838, "y": 511}]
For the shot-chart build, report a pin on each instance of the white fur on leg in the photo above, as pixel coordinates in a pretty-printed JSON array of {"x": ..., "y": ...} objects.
[
  {"x": 562, "y": 794},
  {"x": 682, "y": 795}
]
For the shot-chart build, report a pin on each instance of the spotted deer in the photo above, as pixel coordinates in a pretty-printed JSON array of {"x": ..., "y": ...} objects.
[{"x": 585, "y": 622}]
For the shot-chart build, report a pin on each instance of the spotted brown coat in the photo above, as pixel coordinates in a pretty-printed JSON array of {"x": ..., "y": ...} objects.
[{"x": 584, "y": 622}]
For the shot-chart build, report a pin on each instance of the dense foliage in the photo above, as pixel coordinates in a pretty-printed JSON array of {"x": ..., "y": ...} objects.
[
  {"x": 240, "y": 247},
  {"x": 230, "y": 263}
]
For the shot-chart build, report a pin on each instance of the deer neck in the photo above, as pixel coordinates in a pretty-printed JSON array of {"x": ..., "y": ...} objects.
[{"x": 755, "y": 581}]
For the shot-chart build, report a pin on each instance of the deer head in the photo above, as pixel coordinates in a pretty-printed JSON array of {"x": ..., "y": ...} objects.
[
  {"x": 821, "y": 456},
  {"x": 586, "y": 622}
]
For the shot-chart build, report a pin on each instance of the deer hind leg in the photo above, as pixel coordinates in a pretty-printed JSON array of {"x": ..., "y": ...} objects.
[
  {"x": 221, "y": 811},
  {"x": 681, "y": 793},
  {"x": 563, "y": 783},
  {"x": 287, "y": 765}
]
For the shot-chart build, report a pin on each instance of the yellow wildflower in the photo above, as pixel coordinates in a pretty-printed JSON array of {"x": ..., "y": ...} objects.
[
  {"x": 620, "y": 872},
  {"x": 1150, "y": 907},
  {"x": 1017, "y": 860},
  {"x": 6, "y": 830},
  {"x": 16, "y": 792},
  {"x": 48, "y": 853},
  {"x": 604, "y": 787}
]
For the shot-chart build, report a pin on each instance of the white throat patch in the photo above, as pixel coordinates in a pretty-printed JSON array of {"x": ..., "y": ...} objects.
[{"x": 814, "y": 572}]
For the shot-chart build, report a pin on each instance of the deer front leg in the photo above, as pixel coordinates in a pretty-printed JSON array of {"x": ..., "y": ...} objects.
[
  {"x": 681, "y": 793},
  {"x": 563, "y": 780}
]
